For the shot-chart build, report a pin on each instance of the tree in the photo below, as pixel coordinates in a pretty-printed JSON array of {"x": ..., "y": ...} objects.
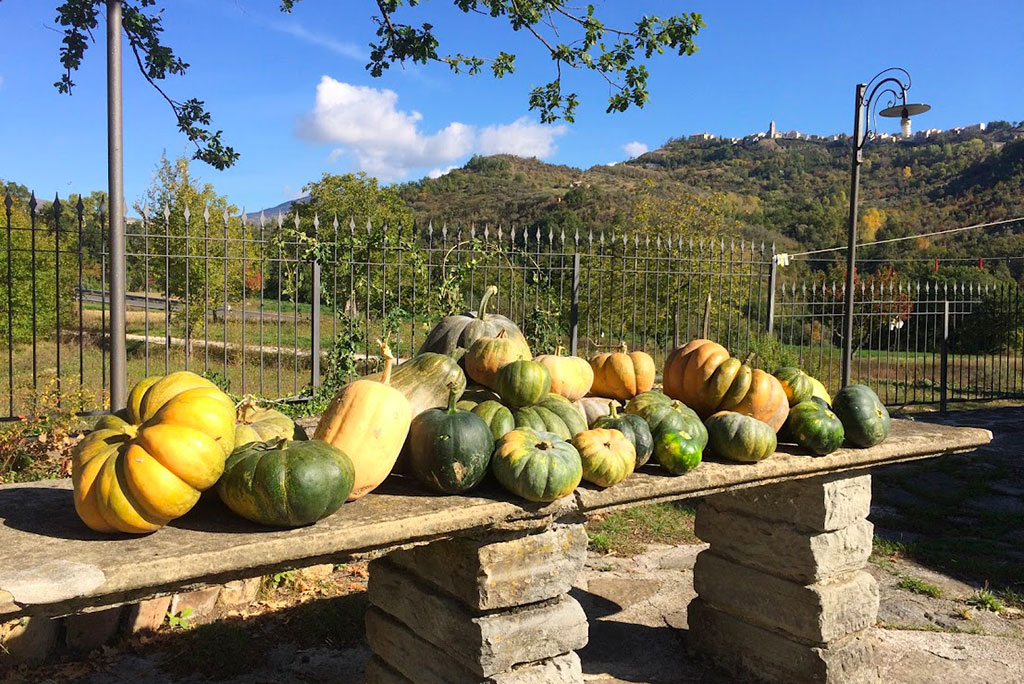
[
  {"x": 206, "y": 247},
  {"x": 574, "y": 38}
]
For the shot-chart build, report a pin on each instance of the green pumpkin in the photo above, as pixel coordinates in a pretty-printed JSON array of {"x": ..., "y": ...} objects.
[
  {"x": 664, "y": 413},
  {"x": 635, "y": 429},
  {"x": 865, "y": 419},
  {"x": 256, "y": 424},
  {"x": 449, "y": 449},
  {"x": 677, "y": 451},
  {"x": 425, "y": 379},
  {"x": 537, "y": 466},
  {"x": 795, "y": 383},
  {"x": 554, "y": 414},
  {"x": 286, "y": 483},
  {"x": 814, "y": 427},
  {"x": 460, "y": 331},
  {"x": 523, "y": 383},
  {"x": 740, "y": 438},
  {"x": 497, "y": 416}
]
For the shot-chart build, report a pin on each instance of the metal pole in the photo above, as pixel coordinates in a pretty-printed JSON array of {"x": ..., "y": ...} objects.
[
  {"x": 944, "y": 363},
  {"x": 851, "y": 246},
  {"x": 314, "y": 329},
  {"x": 574, "y": 312},
  {"x": 772, "y": 274},
  {"x": 115, "y": 188}
]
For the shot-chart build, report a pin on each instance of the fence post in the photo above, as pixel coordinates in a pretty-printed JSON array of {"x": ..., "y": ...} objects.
[
  {"x": 574, "y": 311},
  {"x": 944, "y": 363},
  {"x": 314, "y": 327},
  {"x": 771, "y": 292},
  {"x": 115, "y": 226}
]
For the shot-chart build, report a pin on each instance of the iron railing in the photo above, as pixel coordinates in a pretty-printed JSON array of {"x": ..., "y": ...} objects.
[{"x": 269, "y": 307}]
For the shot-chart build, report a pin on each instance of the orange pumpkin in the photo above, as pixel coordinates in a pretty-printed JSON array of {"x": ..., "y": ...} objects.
[
  {"x": 488, "y": 355},
  {"x": 704, "y": 376},
  {"x": 622, "y": 374},
  {"x": 368, "y": 420},
  {"x": 571, "y": 376},
  {"x": 142, "y": 468}
]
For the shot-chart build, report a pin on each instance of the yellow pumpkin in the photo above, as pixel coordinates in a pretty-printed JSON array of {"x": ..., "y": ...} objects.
[
  {"x": 703, "y": 375},
  {"x": 136, "y": 475},
  {"x": 571, "y": 376},
  {"x": 607, "y": 455},
  {"x": 369, "y": 421},
  {"x": 622, "y": 374},
  {"x": 488, "y": 355}
]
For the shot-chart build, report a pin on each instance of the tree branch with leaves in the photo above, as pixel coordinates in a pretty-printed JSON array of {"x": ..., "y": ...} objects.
[{"x": 574, "y": 38}]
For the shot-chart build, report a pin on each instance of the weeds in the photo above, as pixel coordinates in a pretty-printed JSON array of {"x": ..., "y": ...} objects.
[
  {"x": 919, "y": 586},
  {"x": 983, "y": 598},
  {"x": 182, "y": 620}
]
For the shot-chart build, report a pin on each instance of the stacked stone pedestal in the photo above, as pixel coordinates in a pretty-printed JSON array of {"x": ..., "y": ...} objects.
[
  {"x": 489, "y": 610},
  {"x": 782, "y": 594}
]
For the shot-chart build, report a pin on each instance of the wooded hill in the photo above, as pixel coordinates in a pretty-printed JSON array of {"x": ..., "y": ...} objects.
[{"x": 792, "y": 192}]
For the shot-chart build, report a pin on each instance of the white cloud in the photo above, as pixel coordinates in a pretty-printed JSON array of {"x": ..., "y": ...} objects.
[
  {"x": 388, "y": 142},
  {"x": 522, "y": 137},
  {"x": 297, "y": 30},
  {"x": 437, "y": 173},
  {"x": 634, "y": 149}
]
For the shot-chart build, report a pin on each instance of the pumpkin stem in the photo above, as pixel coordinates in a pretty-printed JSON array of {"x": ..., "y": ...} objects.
[
  {"x": 502, "y": 333},
  {"x": 750, "y": 357},
  {"x": 559, "y": 349},
  {"x": 453, "y": 397},
  {"x": 623, "y": 347},
  {"x": 245, "y": 408},
  {"x": 544, "y": 446},
  {"x": 488, "y": 293},
  {"x": 389, "y": 360},
  {"x": 611, "y": 410}
]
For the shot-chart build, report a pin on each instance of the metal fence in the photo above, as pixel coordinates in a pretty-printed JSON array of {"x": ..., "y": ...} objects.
[{"x": 272, "y": 307}]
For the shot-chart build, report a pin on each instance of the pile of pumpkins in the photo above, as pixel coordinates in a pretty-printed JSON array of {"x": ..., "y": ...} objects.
[{"x": 538, "y": 425}]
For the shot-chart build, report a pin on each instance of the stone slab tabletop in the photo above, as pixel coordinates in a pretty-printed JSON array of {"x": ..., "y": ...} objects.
[{"x": 51, "y": 564}]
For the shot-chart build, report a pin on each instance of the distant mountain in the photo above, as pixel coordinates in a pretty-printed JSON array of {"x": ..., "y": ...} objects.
[{"x": 271, "y": 213}]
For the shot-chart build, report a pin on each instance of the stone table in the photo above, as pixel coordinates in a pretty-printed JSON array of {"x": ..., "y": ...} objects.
[{"x": 474, "y": 588}]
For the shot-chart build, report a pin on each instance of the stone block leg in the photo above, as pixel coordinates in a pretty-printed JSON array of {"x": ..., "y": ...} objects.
[
  {"x": 782, "y": 594},
  {"x": 486, "y": 610}
]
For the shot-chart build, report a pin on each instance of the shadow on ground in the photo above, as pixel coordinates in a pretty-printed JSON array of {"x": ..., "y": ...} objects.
[{"x": 963, "y": 514}]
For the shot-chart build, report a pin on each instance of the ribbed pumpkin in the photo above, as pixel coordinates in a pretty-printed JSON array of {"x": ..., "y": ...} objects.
[
  {"x": 814, "y": 427},
  {"x": 136, "y": 475},
  {"x": 795, "y": 383},
  {"x": 424, "y": 380},
  {"x": 449, "y": 449},
  {"x": 255, "y": 424},
  {"x": 607, "y": 455},
  {"x": 622, "y": 374},
  {"x": 554, "y": 414},
  {"x": 703, "y": 375},
  {"x": 820, "y": 391},
  {"x": 677, "y": 451},
  {"x": 634, "y": 427},
  {"x": 538, "y": 466},
  {"x": 497, "y": 416},
  {"x": 593, "y": 408},
  {"x": 369, "y": 421},
  {"x": 477, "y": 395},
  {"x": 739, "y": 437},
  {"x": 488, "y": 355},
  {"x": 865, "y": 419},
  {"x": 283, "y": 483},
  {"x": 663, "y": 413},
  {"x": 571, "y": 376},
  {"x": 522, "y": 383},
  {"x": 461, "y": 331}
]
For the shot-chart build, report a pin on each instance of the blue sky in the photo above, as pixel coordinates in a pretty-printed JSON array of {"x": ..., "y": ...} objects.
[{"x": 293, "y": 97}]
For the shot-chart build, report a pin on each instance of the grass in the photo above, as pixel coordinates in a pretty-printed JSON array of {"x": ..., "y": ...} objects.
[
  {"x": 629, "y": 531},
  {"x": 983, "y": 598},
  {"x": 920, "y": 586}
]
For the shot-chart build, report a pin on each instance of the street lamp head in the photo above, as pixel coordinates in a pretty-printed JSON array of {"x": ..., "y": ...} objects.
[{"x": 903, "y": 112}]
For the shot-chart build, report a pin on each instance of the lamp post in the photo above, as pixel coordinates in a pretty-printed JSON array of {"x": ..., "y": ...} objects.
[
  {"x": 884, "y": 82},
  {"x": 115, "y": 210}
]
